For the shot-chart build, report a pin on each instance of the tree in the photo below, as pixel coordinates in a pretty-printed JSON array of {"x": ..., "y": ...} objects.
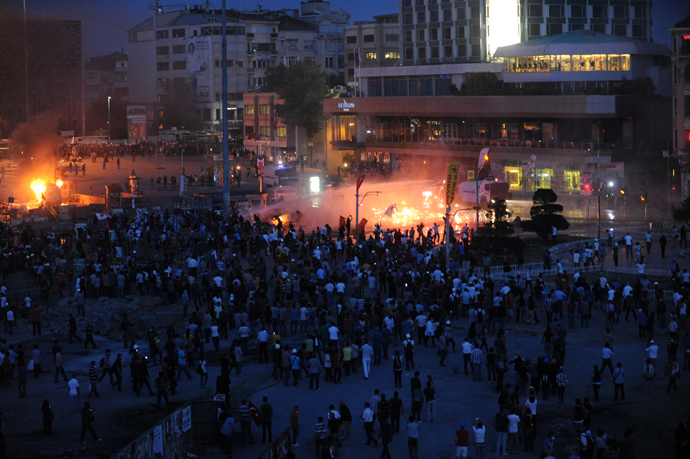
[
  {"x": 302, "y": 87},
  {"x": 682, "y": 213},
  {"x": 480, "y": 84},
  {"x": 179, "y": 108},
  {"x": 497, "y": 225},
  {"x": 544, "y": 214}
]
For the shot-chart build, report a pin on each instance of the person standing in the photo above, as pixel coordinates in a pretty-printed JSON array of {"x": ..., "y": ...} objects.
[
  {"x": 107, "y": 368},
  {"x": 430, "y": 396},
  {"x": 346, "y": 420},
  {"x": 662, "y": 244},
  {"x": 226, "y": 431},
  {"x": 408, "y": 349},
  {"x": 203, "y": 372},
  {"x": 245, "y": 415},
  {"x": 294, "y": 368},
  {"x": 48, "y": 417},
  {"x": 479, "y": 437},
  {"x": 397, "y": 369},
  {"x": 161, "y": 384},
  {"x": 117, "y": 371},
  {"x": 87, "y": 418},
  {"x": 386, "y": 436},
  {"x": 461, "y": 440},
  {"x": 466, "y": 353},
  {"x": 93, "y": 380},
  {"x": 619, "y": 382},
  {"x": 89, "y": 337},
  {"x": 313, "y": 369},
  {"x": 501, "y": 425},
  {"x": 73, "y": 386},
  {"x": 412, "y": 437},
  {"x": 476, "y": 360},
  {"x": 673, "y": 371},
  {"x": 294, "y": 425},
  {"x": 367, "y": 352},
  {"x": 59, "y": 368},
  {"x": 266, "y": 411},
  {"x": 397, "y": 410},
  {"x": 561, "y": 384},
  {"x": 320, "y": 436},
  {"x": 36, "y": 355},
  {"x": 368, "y": 418}
]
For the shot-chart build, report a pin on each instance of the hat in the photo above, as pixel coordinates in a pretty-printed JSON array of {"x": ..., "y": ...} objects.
[
  {"x": 639, "y": 310},
  {"x": 277, "y": 346},
  {"x": 136, "y": 346},
  {"x": 656, "y": 283},
  {"x": 407, "y": 336},
  {"x": 447, "y": 322},
  {"x": 462, "y": 424},
  {"x": 651, "y": 341},
  {"x": 294, "y": 351}
]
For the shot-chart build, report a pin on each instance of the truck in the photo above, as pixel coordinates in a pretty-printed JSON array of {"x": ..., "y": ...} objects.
[{"x": 488, "y": 190}]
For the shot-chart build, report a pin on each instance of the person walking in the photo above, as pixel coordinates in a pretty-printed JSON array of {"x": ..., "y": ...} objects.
[
  {"x": 295, "y": 368},
  {"x": 313, "y": 370},
  {"x": 501, "y": 424},
  {"x": 245, "y": 415},
  {"x": 412, "y": 437},
  {"x": 408, "y": 349},
  {"x": 367, "y": 352},
  {"x": 673, "y": 372},
  {"x": 294, "y": 425},
  {"x": 266, "y": 411},
  {"x": 320, "y": 436},
  {"x": 73, "y": 386},
  {"x": 117, "y": 371},
  {"x": 561, "y": 384},
  {"x": 87, "y": 418},
  {"x": 203, "y": 372},
  {"x": 182, "y": 363},
  {"x": 430, "y": 396},
  {"x": 619, "y": 382},
  {"x": 386, "y": 436},
  {"x": 48, "y": 417},
  {"x": 93, "y": 380},
  {"x": 162, "y": 384},
  {"x": 476, "y": 360},
  {"x": 59, "y": 368},
  {"x": 107, "y": 367},
  {"x": 397, "y": 369},
  {"x": 596, "y": 382},
  {"x": 89, "y": 337},
  {"x": 368, "y": 418}
]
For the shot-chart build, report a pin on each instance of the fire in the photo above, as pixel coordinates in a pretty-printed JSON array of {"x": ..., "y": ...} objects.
[
  {"x": 39, "y": 187},
  {"x": 59, "y": 183}
]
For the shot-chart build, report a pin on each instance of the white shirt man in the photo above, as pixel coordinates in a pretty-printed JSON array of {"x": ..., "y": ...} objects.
[{"x": 653, "y": 350}]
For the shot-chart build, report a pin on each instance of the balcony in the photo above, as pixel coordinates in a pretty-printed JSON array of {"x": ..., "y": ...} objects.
[
  {"x": 338, "y": 35},
  {"x": 461, "y": 142}
]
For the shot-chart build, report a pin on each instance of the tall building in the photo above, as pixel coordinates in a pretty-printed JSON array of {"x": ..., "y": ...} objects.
[
  {"x": 441, "y": 31},
  {"x": 184, "y": 46},
  {"x": 55, "y": 78},
  {"x": 372, "y": 44},
  {"x": 680, "y": 60},
  {"x": 106, "y": 76}
]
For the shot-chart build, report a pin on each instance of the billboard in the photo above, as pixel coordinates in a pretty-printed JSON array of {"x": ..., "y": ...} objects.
[
  {"x": 136, "y": 122},
  {"x": 199, "y": 64}
]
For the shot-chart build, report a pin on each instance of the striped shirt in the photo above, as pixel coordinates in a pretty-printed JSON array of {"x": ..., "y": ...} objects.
[
  {"x": 93, "y": 375},
  {"x": 320, "y": 431},
  {"x": 244, "y": 413}
]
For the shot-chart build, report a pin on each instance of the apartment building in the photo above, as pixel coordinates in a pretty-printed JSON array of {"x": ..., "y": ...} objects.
[
  {"x": 371, "y": 45},
  {"x": 106, "y": 76}
]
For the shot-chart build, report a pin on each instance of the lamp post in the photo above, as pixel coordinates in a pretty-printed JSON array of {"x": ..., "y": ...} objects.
[{"x": 109, "y": 119}]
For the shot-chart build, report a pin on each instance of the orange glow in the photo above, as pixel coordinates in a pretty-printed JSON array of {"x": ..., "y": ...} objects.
[
  {"x": 59, "y": 183},
  {"x": 39, "y": 187}
]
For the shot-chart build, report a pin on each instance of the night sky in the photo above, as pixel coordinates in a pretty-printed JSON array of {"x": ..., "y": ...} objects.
[{"x": 105, "y": 22}]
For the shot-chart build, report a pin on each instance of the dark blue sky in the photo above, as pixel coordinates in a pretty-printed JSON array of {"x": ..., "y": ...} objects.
[{"x": 106, "y": 21}]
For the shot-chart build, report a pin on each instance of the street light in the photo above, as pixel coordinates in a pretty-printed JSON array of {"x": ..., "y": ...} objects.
[{"x": 109, "y": 119}]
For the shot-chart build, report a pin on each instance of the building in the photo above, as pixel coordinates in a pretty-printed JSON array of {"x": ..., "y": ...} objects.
[
  {"x": 626, "y": 18},
  {"x": 264, "y": 133},
  {"x": 440, "y": 31},
  {"x": 184, "y": 46},
  {"x": 55, "y": 72},
  {"x": 371, "y": 45},
  {"x": 546, "y": 103},
  {"x": 680, "y": 59},
  {"x": 106, "y": 76}
]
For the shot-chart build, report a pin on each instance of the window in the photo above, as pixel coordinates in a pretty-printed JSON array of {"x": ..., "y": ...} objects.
[
  {"x": 462, "y": 51},
  {"x": 409, "y": 53},
  {"x": 433, "y": 16},
  {"x": 407, "y": 3},
  {"x": 433, "y": 34},
  {"x": 448, "y": 51},
  {"x": 421, "y": 17},
  {"x": 576, "y": 27},
  {"x": 480, "y": 131},
  {"x": 554, "y": 29},
  {"x": 351, "y": 72},
  {"x": 248, "y": 129},
  {"x": 447, "y": 15},
  {"x": 178, "y": 49},
  {"x": 555, "y": 11},
  {"x": 476, "y": 50},
  {"x": 162, "y": 34},
  {"x": 640, "y": 12},
  {"x": 421, "y": 52},
  {"x": 393, "y": 37},
  {"x": 265, "y": 131},
  {"x": 475, "y": 31},
  {"x": 620, "y": 12},
  {"x": 639, "y": 31},
  {"x": 282, "y": 131},
  {"x": 535, "y": 11},
  {"x": 599, "y": 28},
  {"x": 392, "y": 55},
  {"x": 620, "y": 30},
  {"x": 599, "y": 11},
  {"x": 163, "y": 66},
  {"x": 178, "y": 33},
  {"x": 446, "y": 33},
  {"x": 461, "y": 32},
  {"x": 352, "y": 39},
  {"x": 292, "y": 44},
  {"x": 434, "y": 52},
  {"x": 420, "y": 35},
  {"x": 248, "y": 109},
  {"x": 370, "y": 56},
  {"x": 687, "y": 105},
  {"x": 238, "y": 64},
  {"x": 162, "y": 82},
  {"x": 407, "y": 19},
  {"x": 368, "y": 39},
  {"x": 264, "y": 109},
  {"x": 460, "y": 13},
  {"x": 420, "y": 2},
  {"x": 578, "y": 11},
  {"x": 310, "y": 44},
  {"x": 162, "y": 50},
  {"x": 474, "y": 12},
  {"x": 329, "y": 62},
  {"x": 179, "y": 65}
]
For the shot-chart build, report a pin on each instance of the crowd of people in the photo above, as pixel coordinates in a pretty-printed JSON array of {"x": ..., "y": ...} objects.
[{"x": 312, "y": 303}]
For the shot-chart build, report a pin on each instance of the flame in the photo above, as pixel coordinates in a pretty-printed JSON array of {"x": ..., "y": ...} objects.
[
  {"x": 39, "y": 187},
  {"x": 58, "y": 183}
]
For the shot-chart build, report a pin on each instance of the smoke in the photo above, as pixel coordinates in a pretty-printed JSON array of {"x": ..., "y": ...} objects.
[{"x": 34, "y": 144}]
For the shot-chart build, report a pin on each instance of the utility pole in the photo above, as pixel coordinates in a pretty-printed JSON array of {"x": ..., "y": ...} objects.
[
  {"x": 26, "y": 65},
  {"x": 109, "y": 132},
  {"x": 224, "y": 112}
]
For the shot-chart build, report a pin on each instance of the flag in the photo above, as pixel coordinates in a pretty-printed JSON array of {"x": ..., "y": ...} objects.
[
  {"x": 275, "y": 121},
  {"x": 603, "y": 133},
  {"x": 362, "y": 224},
  {"x": 256, "y": 415},
  {"x": 101, "y": 216},
  {"x": 184, "y": 185},
  {"x": 260, "y": 163},
  {"x": 251, "y": 136},
  {"x": 391, "y": 210},
  {"x": 342, "y": 222},
  {"x": 357, "y": 57},
  {"x": 452, "y": 181},
  {"x": 484, "y": 166},
  {"x": 360, "y": 179},
  {"x": 530, "y": 164}
]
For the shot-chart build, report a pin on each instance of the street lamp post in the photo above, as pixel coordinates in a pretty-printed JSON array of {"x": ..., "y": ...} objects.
[{"x": 109, "y": 119}]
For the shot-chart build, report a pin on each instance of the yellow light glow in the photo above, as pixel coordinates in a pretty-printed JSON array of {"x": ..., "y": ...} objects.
[
  {"x": 38, "y": 186},
  {"x": 426, "y": 193},
  {"x": 59, "y": 183}
]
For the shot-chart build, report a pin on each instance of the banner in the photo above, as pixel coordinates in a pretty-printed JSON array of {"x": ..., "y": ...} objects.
[
  {"x": 342, "y": 222},
  {"x": 360, "y": 179},
  {"x": 101, "y": 216},
  {"x": 199, "y": 64},
  {"x": 530, "y": 164},
  {"x": 184, "y": 185},
  {"x": 260, "y": 163},
  {"x": 391, "y": 210},
  {"x": 586, "y": 183},
  {"x": 452, "y": 181},
  {"x": 362, "y": 224}
]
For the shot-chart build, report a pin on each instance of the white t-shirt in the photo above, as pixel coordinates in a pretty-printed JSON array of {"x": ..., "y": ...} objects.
[
  {"x": 513, "y": 420},
  {"x": 653, "y": 350},
  {"x": 628, "y": 240},
  {"x": 333, "y": 332},
  {"x": 479, "y": 434},
  {"x": 73, "y": 384},
  {"x": 532, "y": 406},
  {"x": 367, "y": 351}
]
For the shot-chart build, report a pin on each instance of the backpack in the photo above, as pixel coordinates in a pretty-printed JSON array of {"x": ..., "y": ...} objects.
[
  {"x": 199, "y": 371},
  {"x": 101, "y": 362},
  {"x": 397, "y": 364},
  {"x": 408, "y": 347},
  {"x": 648, "y": 372}
]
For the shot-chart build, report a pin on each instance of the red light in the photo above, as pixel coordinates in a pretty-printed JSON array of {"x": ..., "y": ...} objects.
[
  {"x": 496, "y": 179},
  {"x": 674, "y": 188}
]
